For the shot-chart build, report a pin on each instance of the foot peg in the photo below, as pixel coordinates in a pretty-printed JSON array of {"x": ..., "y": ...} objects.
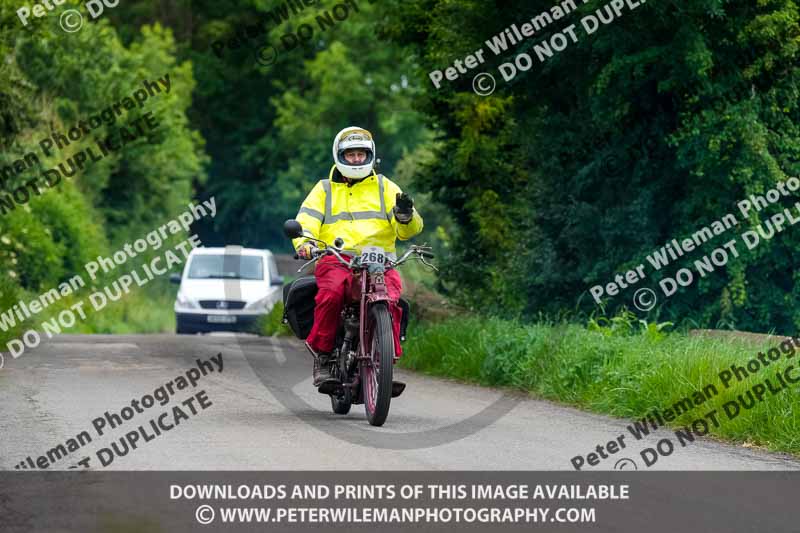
[
  {"x": 336, "y": 388},
  {"x": 397, "y": 388}
]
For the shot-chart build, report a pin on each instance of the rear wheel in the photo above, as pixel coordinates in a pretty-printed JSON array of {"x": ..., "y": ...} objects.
[
  {"x": 341, "y": 403},
  {"x": 376, "y": 375}
]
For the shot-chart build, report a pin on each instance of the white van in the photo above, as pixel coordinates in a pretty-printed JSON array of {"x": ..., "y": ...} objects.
[{"x": 226, "y": 289}]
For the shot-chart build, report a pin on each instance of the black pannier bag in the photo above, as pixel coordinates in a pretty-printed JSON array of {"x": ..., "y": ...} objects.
[{"x": 298, "y": 305}]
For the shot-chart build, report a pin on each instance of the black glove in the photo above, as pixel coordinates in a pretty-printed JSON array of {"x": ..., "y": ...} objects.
[
  {"x": 404, "y": 208},
  {"x": 404, "y": 203}
]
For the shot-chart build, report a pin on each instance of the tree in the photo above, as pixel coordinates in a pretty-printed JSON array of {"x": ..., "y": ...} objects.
[{"x": 641, "y": 132}]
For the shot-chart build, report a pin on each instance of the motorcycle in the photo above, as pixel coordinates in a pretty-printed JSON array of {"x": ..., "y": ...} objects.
[{"x": 364, "y": 355}]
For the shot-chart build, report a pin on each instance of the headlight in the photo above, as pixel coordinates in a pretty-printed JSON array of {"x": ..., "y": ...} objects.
[
  {"x": 183, "y": 301},
  {"x": 259, "y": 304}
]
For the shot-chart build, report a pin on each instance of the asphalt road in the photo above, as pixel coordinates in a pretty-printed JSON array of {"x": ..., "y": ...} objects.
[{"x": 264, "y": 414}]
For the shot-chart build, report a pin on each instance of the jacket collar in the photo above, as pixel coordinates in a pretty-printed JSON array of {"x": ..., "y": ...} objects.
[{"x": 336, "y": 177}]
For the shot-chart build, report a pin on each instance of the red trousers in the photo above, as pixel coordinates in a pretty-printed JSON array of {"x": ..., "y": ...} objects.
[{"x": 333, "y": 281}]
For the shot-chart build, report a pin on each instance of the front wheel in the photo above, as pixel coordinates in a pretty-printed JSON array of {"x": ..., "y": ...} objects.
[{"x": 376, "y": 375}]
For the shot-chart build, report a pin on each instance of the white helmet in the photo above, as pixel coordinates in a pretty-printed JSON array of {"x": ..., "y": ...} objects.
[{"x": 353, "y": 137}]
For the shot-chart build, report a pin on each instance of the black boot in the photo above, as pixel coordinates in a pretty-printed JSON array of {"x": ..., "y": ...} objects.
[{"x": 322, "y": 371}]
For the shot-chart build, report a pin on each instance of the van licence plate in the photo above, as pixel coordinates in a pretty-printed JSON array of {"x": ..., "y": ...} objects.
[{"x": 222, "y": 319}]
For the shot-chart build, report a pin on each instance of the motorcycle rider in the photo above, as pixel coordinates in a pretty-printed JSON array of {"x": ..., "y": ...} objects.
[{"x": 364, "y": 209}]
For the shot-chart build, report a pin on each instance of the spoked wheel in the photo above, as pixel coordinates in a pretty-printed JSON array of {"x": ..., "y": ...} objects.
[{"x": 376, "y": 375}]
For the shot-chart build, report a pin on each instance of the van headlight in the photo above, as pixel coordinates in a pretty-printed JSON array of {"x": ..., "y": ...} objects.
[
  {"x": 183, "y": 301},
  {"x": 259, "y": 304}
]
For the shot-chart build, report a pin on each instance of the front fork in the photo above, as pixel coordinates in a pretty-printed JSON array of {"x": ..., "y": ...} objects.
[
  {"x": 377, "y": 292},
  {"x": 367, "y": 290}
]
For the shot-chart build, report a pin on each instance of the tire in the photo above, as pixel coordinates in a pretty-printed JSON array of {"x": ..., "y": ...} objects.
[
  {"x": 378, "y": 388},
  {"x": 181, "y": 329},
  {"x": 341, "y": 404}
]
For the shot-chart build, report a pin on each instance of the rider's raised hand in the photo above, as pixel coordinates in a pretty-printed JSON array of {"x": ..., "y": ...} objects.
[
  {"x": 404, "y": 203},
  {"x": 404, "y": 207}
]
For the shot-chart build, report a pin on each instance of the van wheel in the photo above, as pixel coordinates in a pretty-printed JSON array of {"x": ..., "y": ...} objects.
[{"x": 181, "y": 329}]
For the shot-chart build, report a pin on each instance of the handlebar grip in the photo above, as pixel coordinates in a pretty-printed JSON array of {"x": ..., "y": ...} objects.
[{"x": 296, "y": 256}]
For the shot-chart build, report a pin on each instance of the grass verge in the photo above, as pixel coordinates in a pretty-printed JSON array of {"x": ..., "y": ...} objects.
[
  {"x": 271, "y": 325},
  {"x": 626, "y": 375}
]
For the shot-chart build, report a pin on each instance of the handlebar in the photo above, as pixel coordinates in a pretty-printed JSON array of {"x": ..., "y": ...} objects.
[
  {"x": 423, "y": 252},
  {"x": 317, "y": 252}
]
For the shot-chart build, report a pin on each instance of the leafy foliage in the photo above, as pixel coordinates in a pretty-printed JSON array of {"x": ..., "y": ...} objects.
[
  {"x": 645, "y": 131},
  {"x": 51, "y": 80},
  {"x": 640, "y": 133}
]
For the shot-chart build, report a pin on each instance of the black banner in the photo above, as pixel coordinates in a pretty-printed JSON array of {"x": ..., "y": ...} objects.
[{"x": 728, "y": 502}]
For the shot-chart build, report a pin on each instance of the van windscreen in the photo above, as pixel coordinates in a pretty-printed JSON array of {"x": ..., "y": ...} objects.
[{"x": 226, "y": 267}]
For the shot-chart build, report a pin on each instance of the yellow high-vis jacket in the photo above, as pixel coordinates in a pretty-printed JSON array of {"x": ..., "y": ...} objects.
[{"x": 361, "y": 213}]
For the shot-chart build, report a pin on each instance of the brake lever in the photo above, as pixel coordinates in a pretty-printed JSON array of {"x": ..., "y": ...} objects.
[{"x": 426, "y": 263}]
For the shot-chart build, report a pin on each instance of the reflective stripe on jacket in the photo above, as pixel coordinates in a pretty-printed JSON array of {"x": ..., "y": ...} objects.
[{"x": 360, "y": 213}]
